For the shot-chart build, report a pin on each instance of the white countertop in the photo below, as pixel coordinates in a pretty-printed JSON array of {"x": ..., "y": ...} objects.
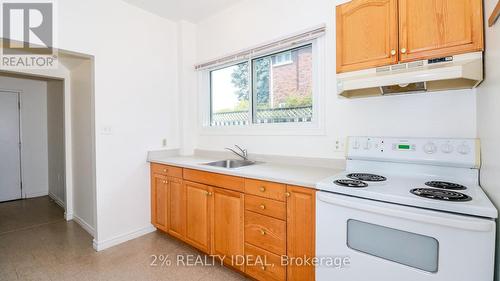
[{"x": 300, "y": 175}]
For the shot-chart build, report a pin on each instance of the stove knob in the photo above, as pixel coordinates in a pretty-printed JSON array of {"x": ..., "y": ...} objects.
[
  {"x": 447, "y": 148},
  {"x": 464, "y": 149},
  {"x": 430, "y": 148}
]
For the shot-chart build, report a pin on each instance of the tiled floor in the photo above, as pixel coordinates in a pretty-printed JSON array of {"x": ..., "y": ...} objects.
[
  {"x": 20, "y": 214},
  {"x": 60, "y": 250}
]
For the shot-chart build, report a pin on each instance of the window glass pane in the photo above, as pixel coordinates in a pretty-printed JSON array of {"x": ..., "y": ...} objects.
[
  {"x": 282, "y": 86},
  {"x": 402, "y": 247},
  {"x": 230, "y": 95}
]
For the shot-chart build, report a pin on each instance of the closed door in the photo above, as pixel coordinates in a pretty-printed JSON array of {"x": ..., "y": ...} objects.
[
  {"x": 433, "y": 28},
  {"x": 10, "y": 160},
  {"x": 367, "y": 34},
  {"x": 177, "y": 208},
  {"x": 198, "y": 211},
  {"x": 160, "y": 202},
  {"x": 228, "y": 225}
]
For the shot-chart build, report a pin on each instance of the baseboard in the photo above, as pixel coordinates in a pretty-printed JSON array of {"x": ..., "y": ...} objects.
[
  {"x": 57, "y": 200},
  {"x": 102, "y": 245},
  {"x": 35, "y": 194},
  {"x": 87, "y": 227},
  {"x": 68, "y": 216}
]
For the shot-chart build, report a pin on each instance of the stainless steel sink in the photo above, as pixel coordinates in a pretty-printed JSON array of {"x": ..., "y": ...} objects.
[{"x": 231, "y": 164}]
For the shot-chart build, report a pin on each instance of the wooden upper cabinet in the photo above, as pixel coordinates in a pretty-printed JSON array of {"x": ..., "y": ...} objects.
[
  {"x": 198, "y": 215},
  {"x": 301, "y": 230},
  {"x": 177, "y": 208},
  {"x": 367, "y": 34},
  {"x": 228, "y": 225},
  {"x": 434, "y": 28},
  {"x": 159, "y": 201}
]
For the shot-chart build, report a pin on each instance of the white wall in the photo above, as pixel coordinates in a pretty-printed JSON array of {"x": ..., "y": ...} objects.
[
  {"x": 252, "y": 22},
  {"x": 135, "y": 92},
  {"x": 186, "y": 87},
  {"x": 55, "y": 140},
  {"x": 34, "y": 155},
  {"x": 82, "y": 135},
  {"x": 489, "y": 116}
]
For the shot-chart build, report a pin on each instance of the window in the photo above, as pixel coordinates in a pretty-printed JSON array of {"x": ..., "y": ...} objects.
[
  {"x": 276, "y": 88},
  {"x": 230, "y": 95}
]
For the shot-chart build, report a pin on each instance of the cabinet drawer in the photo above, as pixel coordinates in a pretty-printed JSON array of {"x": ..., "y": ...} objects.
[
  {"x": 266, "y": 232},
  {"x": 264, "y": 206},
  {"x": 263, "y": 265},
  {"x": 166, "y": 170},
  {"x": 266, "y": 189},
  {"x": 218, "y": 180}
]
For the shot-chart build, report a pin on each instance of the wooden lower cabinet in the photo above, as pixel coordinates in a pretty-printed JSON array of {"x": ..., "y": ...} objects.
[
  {"x": 177, "y": 208},
  {"x": 159, "y": 201},
  {"x": 228, "y": 226},
  {"x": 301, "y": 218},
  {"x": 264, "y": 265},
  {"x": 251, "y": 233},
  {"x": 198, "y": 215},
  {"x": 265, "y": 232}
]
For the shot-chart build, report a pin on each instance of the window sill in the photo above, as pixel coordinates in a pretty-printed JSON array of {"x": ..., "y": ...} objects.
[{"x": 309, "y": 129}]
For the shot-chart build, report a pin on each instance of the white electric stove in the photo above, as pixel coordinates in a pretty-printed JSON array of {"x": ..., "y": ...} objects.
[{"x": 407, "y": 209}]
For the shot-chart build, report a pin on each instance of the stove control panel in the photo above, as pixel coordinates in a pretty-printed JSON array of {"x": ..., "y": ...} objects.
[{"x": 448, "y": 152}]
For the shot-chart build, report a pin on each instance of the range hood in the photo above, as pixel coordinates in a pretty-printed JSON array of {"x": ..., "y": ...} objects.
[{"x": 447, "y": 73}]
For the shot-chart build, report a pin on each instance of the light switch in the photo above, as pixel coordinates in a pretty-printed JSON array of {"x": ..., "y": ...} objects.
[{"x": 106, "y": 130}]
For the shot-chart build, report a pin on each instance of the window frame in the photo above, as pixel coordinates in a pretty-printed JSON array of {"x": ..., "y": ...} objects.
[{"x": 315, "y": 127}]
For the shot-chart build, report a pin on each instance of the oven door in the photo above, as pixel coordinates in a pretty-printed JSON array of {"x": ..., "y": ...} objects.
[{"x": 359, "y": 239}]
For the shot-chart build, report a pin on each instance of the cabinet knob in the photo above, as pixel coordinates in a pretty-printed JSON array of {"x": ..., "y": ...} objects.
[
  {"x": 262, "y": 188},
  {"x": 287, "y": 194},
  {"x": 209, "y": 193},
  {"x": 262, "y": 232},
  {"x": 393, "y": 52},
  {"x": 403, "y": 51},
  {"x": 165, "y": 170},
  {"x": 263, "y": 207}
]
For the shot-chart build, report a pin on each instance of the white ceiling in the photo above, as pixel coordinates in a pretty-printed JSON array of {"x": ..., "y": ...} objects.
[{"x": 190, "y": 10}]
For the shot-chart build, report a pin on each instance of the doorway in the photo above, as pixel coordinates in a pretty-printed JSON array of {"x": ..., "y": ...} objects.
[{"x": 10, "y": 146}]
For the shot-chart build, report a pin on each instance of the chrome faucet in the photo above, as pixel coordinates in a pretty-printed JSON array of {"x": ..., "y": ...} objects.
[{"x": 243, "y": 154}]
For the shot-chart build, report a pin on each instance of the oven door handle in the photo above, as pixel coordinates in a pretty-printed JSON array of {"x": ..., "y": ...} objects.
[{"x": 416, "y": 214}]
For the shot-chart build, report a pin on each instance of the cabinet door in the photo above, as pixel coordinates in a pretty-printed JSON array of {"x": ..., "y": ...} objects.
[
  {"x": 159, "y": 202},
  {"x": 301, "y": 218},
  {"x": 228, "y": 226},
  {"x": 198, "y": 212},
  {"x": 434, "y": 28},
  {"x": 367, "y": 34},
  {"x": 177, "y": 208}
]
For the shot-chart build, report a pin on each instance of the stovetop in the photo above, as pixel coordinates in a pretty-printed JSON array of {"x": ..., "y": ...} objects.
[
  {"x": 397, "y": 188},
  {"x": 431, "y": 173}
]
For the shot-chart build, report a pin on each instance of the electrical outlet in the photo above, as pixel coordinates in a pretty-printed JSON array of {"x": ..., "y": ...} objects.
[
  {"x": 164, "y": 142},
  {"x": 339, "y": 145}
]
